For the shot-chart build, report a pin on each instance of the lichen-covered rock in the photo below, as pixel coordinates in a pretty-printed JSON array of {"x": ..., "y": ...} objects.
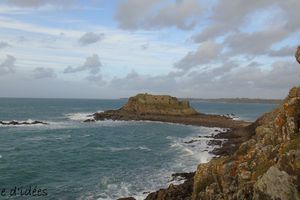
[
  {"x": 275, "y": 184},
  {"x": 157, "y": 104},
  {"x": 265, "y": 167},
  {"x": 297, "y": 54}
]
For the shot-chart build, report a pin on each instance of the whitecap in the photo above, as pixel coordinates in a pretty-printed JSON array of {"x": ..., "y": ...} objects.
[
  {"x": 79, "y": 116},
  {"x": 116, "y": 149}
]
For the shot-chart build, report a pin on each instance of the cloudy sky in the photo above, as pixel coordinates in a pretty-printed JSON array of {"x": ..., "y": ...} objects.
[{"x": 117, "y": 48}]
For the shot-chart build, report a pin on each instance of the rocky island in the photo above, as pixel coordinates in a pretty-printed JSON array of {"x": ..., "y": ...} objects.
[{"x": 165, "y": 108}]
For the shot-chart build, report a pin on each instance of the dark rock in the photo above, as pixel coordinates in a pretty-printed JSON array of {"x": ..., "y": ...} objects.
[
  {"x": 127, "y": 198},
  {"x": 89, "y": 120},
  {"x": 214, "y": 142},
  {"x": 297, "y": 54},
  {"x": 16, "y": 123},
  {"x": 191, "y": 141},
  {"x": 183, "y": 175}
]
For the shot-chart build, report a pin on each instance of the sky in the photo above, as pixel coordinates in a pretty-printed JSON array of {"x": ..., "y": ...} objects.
[{"x": 118, "y": 48}]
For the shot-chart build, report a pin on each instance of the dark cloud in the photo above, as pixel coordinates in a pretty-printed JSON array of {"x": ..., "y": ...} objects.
[
  {"x": 284, "y": 51},
  {"x": 207, "y": 52},
  {"x": 156, "y": 14},
  {"x": 92, "y": 64},
  {"x": 229, "y": 15},
  {"x": 230, "y": 79},
  {"x": 8, "y": 65},
  {"x": 255, "y": 43},
  {"x": 42, "y": 72},
  {"x": 134, "y": 82},
  {"x": 4, "y": 45},
  {"x": 90, "y": 38}
]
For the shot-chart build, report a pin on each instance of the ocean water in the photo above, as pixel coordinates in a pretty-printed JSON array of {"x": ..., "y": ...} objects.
[{"x": 69, "y": 159}]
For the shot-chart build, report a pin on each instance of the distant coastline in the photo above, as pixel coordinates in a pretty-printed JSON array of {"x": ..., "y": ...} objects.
[{"x": 237, "y": 100}]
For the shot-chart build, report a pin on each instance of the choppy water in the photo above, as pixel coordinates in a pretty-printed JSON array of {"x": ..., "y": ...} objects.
[{"x": 69, "y": 159}]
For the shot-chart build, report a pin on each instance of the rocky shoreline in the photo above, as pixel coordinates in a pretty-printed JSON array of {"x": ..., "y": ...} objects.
[{"x": 258, "y": 161}]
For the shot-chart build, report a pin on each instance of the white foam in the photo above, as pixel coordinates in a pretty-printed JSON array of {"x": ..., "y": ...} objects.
[
  {"x": 194, "y": 149},
  {"x": 233, "y": 116},
  {"x": 79, "y": 116},
  {"x": 144, "y": 148},
  {"x": 116, "y": 149}
]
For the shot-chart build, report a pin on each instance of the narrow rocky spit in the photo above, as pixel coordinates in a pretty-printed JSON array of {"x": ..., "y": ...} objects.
[{"x": 18, "y": 123}]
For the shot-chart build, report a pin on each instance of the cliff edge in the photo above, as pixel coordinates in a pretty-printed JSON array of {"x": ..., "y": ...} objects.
[{"x": 265, "y": 167}]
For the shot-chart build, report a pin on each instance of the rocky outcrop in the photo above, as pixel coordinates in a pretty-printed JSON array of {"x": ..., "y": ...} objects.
[
  {"x": 165, "y": 108},
  {"x": 267, "y": 166},
  {"x": 158, "y": 105},
  {"x": 175, "y": 192},
  {"x": 17, "y": 123},
  {"x": 297, "y": 54}
]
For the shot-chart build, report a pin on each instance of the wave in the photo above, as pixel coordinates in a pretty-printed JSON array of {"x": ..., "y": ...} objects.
[
  {"x": 80, "y": 116},
  {"x": 195, "y": 148},
  {"x": 113, "y": 191},
  {"x": 232, "y": 116}
]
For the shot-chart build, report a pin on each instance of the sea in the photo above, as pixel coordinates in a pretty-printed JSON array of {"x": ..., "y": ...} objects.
[{"x": 105, "y": 160}]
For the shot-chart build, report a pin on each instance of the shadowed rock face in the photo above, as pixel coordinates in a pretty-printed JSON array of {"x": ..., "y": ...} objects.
[
  {"x": 157, "y": 104},
  {"x": 297, "y": 54}
]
